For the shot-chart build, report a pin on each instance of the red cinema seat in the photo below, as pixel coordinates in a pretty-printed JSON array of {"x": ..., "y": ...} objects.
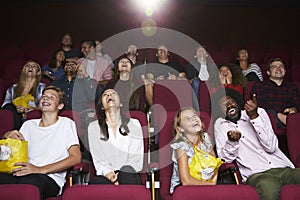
[
  {"x": 172, "y": 94},
  {"x": 247, "y": 92},
  {"x": 7, "y": 121},
  {"x": 107, "y": 192},
  {"x": 215, "y": 192},
  {"x": 290, "y": 192},
  {"x": 293, "y": 137},
  {"x": 2, "y": 91},
  {"x": 19, "y": 191}
]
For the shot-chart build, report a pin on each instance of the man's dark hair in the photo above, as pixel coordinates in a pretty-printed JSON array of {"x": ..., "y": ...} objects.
[{"x": 91, "y": 43}]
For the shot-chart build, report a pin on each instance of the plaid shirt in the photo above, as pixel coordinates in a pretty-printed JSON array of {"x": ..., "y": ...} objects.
[{"x": 270, "y": 96}]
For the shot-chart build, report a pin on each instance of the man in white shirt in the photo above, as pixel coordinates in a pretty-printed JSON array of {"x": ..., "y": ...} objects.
[{"x": 247, "y": 137}]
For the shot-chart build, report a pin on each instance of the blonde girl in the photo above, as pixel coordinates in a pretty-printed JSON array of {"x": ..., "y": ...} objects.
[{"x": 189, "y": 133}]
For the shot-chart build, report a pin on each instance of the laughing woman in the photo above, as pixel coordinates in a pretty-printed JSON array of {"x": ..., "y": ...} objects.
[
  {"x": 29, "y": 87},
  {"x": 116, "y": 143}
]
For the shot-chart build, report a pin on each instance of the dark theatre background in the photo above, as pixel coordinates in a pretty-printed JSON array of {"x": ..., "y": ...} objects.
[{"x": 218, "y": 22}]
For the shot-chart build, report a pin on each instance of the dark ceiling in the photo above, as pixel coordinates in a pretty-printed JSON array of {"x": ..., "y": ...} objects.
[{"x": 256, "y": 3}]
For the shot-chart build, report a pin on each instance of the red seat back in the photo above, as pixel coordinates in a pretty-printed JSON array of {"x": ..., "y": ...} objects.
[
  {"x": 7, "y": 121},
  {"x": 212, "y": 192},
  {"x": 107, "y": 192},
  {"x": 293, "y": 137},
  {"x": 172, "y": 94},
  {"x": 290, "y": 192},
  {"x": 19, "y": 191}
]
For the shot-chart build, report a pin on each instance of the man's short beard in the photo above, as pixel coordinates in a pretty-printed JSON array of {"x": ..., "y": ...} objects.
[{"x": 237, "y": 117}]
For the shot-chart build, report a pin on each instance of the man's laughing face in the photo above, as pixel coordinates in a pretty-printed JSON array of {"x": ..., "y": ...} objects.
[{"x": 230, "y": 109}]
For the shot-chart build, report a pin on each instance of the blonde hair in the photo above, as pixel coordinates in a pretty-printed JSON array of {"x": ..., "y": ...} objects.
[
  {"x": 179, "y": 135},
  {"x": 22, "y": 81}
]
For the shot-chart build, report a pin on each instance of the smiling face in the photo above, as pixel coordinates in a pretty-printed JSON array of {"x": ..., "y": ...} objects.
[
  {"x": 86, "y": 49},
  {"x": 70, "y": 68},
  {"x": 50, "y": 101},
  {"x": 60, "y": 56},
  {"x": 230, "y": 109},
  {"x": 110, "y": 99},
  {"x": 225, "y": 71},
  {"x": 276, "y": 71},
  {"x": 162, "y": 52},
  {"x": 190, "y": 122}
]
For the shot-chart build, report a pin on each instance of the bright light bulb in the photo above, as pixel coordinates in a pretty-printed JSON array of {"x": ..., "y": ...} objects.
[{"x": 149, "y": 12}]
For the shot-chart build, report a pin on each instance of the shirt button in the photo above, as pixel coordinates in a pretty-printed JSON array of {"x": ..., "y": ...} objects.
[
  {"x": 252, "y": 122},
  {"x": 269, "y": 162}
]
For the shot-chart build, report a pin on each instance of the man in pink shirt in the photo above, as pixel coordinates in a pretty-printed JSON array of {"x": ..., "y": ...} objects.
[
  {"x": 243, "y": 132},
  {"x": 97, "y": 67}
]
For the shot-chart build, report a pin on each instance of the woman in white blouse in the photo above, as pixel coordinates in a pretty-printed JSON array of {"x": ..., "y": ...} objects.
[{"x": 116, "y": 143}]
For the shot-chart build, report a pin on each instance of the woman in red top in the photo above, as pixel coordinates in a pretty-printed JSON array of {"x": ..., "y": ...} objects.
[{"x": 230, "y": 76}]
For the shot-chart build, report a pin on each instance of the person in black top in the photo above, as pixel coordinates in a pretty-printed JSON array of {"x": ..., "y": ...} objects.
[{"x": 164, "y": 68}]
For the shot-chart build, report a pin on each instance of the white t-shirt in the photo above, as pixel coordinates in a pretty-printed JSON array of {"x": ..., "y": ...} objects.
[
  {"x": 50, "y": 144},
  {"x": 118, "y": 151},
  {"x": 90, "y": 68}
]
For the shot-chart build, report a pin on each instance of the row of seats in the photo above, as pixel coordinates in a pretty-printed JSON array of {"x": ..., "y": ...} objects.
[
  {"x": 172, "y": 95},
  {"x": 133, "y": 192},
  {"x": 164, "y": 121}
]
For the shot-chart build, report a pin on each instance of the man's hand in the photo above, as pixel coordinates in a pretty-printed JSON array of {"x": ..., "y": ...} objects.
[
  {"x": 290, "y": 110},
  {"x": 113, "y": 177},
  {"x": 81, "y": 72},
  {"x": 13, "y": 135},
  {"x": 25, "y": 169},
  {"x": 234, "y": 136},
  {"x": 251, "y": 107},
  {"x": 171, "y": 76}
]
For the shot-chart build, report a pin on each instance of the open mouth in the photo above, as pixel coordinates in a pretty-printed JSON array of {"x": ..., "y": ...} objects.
[
  {"x": 196, "y": 124},
  {"x": 46, "y": 104},
  {"x": 110, "y": 100},
  {"x": 231, "y": 111}
]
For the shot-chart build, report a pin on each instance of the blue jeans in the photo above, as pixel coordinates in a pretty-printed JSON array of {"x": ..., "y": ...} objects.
[{"x": 196, "y": 85}]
